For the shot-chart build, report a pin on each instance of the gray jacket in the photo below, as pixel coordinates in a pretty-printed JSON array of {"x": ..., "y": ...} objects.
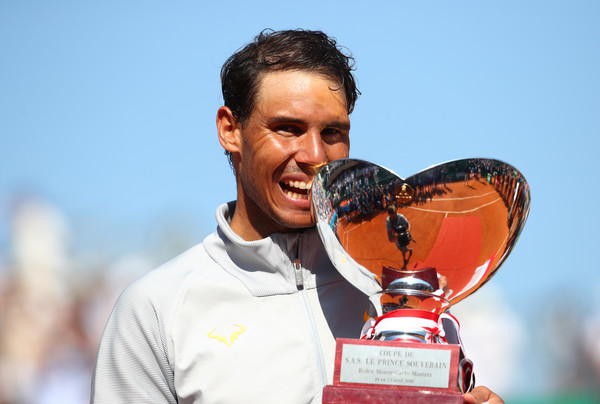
[{"x": 230, "y": 321}]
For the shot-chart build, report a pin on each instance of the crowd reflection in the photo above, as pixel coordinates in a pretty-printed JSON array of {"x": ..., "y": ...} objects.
[
  {"x": 361, "y": 193},
  {"x": 364, "y": 190},
  {"x": 461, "y": 218}
]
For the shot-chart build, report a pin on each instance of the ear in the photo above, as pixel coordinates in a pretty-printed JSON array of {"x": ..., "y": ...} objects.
[{"x": 229, "y": 130}]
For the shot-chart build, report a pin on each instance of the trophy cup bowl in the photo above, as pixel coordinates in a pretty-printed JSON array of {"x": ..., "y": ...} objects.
[{"x": 415, "y": 246}]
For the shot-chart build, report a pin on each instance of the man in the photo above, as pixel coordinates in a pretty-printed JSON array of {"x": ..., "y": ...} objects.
[
  {"x": 252, "y": 313},
  {"x": 398, "y": 230}
]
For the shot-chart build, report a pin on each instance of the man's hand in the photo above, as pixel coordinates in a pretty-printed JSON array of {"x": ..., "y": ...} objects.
[{"x": 481, "y": 395}]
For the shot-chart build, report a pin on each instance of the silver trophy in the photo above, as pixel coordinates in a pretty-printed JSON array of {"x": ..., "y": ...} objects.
[{"x": 417, "y": 246}]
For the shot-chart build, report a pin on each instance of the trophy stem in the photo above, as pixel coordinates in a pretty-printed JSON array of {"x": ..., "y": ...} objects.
[{"x": 407, "y": 325}]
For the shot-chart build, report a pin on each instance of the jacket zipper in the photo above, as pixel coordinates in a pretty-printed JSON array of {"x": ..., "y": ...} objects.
[
  {"x": 308, "y": 311},
  {"x": 298, "y": 272}
]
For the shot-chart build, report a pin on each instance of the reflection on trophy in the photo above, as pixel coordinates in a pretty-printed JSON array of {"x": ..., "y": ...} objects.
[{"x": 415, "y": 247}]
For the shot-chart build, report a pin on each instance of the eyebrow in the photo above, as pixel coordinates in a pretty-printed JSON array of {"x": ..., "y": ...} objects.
[{"x": 344, "y": 125}]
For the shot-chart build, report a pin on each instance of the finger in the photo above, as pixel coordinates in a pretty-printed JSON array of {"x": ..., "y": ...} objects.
[{"x": 482, "y": 395}]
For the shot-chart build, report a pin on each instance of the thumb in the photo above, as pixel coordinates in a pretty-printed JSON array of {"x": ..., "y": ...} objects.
[{"x": 482, "y": 395}]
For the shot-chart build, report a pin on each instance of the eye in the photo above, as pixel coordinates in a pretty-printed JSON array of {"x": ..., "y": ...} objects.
[
  {"x": 331, "y": 135},
  {"x": 330, "y": 131},
  {"x": 288, "y": 130}
]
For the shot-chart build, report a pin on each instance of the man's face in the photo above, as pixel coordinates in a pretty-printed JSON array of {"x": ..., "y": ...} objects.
[{"x": 298, "y": 124}]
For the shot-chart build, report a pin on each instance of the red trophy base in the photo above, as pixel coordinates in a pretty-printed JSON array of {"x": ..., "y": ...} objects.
[{"x": 389, "y": 371}]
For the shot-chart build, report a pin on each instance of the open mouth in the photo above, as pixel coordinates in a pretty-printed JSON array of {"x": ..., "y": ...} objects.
[{"x": 296, "y": 189}]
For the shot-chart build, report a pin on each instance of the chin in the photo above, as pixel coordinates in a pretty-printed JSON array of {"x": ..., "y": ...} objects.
[{"x": 300, "y": 223}]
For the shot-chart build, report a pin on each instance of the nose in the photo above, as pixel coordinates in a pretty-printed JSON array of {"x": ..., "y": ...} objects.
[{"x": 311, "y": 150}]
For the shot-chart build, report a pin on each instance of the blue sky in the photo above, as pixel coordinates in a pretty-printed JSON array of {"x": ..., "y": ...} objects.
[{"x": 108, "y": 109}]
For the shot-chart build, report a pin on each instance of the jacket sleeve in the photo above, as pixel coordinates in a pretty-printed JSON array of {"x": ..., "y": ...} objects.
[{"x": 133, "y": 364}]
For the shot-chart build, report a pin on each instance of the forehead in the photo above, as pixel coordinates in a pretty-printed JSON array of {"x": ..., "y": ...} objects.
[{"x": 297, "y": 86}]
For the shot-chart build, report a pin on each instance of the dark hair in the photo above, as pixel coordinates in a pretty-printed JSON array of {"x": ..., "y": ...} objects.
[{"x": 283, "y": 50}]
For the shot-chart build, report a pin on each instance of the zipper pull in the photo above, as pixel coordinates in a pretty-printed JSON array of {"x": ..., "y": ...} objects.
[{"x": 298, "y": 272}]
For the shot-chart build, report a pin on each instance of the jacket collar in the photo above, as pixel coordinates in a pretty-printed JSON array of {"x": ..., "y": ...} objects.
[{"x": 265, "y": 266}]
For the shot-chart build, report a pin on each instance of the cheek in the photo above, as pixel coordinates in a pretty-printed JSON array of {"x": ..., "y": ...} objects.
[
  {"x": 338, "y": 151},
  {"x": 263, "y": 161},
  {"x": 272, "y": 154}
]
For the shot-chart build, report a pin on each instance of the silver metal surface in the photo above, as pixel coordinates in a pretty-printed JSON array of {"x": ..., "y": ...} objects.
[{"x": 424, "y": 242}]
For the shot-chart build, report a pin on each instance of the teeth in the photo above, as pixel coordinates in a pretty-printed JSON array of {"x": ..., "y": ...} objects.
[
  {"x": 296, "y": 196},
  {"x": 300, "y": 184}
]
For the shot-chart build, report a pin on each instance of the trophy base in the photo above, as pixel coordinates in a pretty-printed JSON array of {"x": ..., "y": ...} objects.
[
  {"x": 373, "y": 372},
  {"x": 350, "y": 395}
]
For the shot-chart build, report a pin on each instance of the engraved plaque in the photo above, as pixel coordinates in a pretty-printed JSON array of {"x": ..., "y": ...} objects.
[{"x": 395, "y": 365}]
